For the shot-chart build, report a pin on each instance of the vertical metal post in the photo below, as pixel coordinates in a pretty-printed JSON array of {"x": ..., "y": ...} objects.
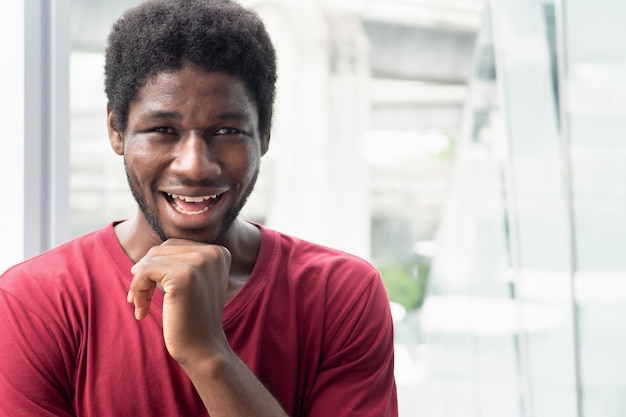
[
  {"x": 508, "y": 175},
  {"x": 566, "y": 164},
  {"x": 58, "y": 123},
  {"x": 46, "y": 127}
]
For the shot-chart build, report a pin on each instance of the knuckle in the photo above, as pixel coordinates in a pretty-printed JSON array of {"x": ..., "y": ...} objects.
[
  {"x": 152, "y": 251},
  {"x": 196, "y": 258},
  {"x": 219, "y": 255},
  {"x": 226, "y": 255}
]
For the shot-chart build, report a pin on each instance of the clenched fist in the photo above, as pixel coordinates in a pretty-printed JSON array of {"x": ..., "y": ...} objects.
[{"x": 194, "y": 278}]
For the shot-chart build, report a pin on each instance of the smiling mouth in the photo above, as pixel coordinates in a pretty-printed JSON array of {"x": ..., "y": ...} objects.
[{"x": 192, "y": 206}]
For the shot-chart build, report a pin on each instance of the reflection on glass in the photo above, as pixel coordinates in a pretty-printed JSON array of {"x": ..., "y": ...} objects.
[
  {"x": 543, "y": 270},
  {"x": 597, "y": 116}
]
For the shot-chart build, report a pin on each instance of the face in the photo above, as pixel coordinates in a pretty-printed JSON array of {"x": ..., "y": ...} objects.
[{"x": 192, "y": 153}]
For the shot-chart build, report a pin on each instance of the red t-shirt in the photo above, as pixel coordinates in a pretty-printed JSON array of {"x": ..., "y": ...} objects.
[{"x": 312, "y": 323}]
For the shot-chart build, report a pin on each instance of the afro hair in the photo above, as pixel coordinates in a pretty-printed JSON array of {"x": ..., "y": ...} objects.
[{"x": 161, "y": 35}]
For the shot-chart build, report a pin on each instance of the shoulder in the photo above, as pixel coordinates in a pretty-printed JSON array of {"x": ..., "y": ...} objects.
[
  {"x": 346, "y": 294},
  {"x": 303, "y": 257},
  {"x": 317, "y": 271},
  {"x": 295, "y": 248},
  {"x": 58, "y": 287},
  {"x": 55, "y": 266}
]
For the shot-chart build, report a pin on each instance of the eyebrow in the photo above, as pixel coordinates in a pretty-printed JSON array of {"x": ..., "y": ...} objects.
[
  {"x": 153, "y": 115},
  {"x": 232, "y": 116}
]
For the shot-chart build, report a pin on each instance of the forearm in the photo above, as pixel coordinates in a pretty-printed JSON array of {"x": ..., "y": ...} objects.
[{"x": 227, "y": 387}]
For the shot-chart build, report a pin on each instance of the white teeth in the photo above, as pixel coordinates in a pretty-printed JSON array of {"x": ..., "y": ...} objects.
[
  {"x": 191, "y": 213},
  {"x": 192, "y": 199}
]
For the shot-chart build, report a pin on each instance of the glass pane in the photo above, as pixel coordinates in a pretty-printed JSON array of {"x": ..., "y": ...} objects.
[
  {"x": 597, "y": 114},
  {"x": 469, "y": 319},
  {"x": 99, "y": 193},
  {"x": 527, "y": 54}
]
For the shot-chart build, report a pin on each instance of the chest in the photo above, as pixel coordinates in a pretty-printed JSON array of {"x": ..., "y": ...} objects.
[{"x": 123, "y": 367}]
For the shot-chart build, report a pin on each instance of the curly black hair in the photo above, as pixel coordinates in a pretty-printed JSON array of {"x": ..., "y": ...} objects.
[{"x": 161, "y": 35}]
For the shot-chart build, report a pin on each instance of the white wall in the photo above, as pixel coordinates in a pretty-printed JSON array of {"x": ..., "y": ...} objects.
[
  {"x": 34, "y": 164},
  {"x": 12, "y": 121}
]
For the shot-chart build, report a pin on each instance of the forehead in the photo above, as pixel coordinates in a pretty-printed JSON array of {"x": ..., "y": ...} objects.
[{"x": 189, "y": 87}]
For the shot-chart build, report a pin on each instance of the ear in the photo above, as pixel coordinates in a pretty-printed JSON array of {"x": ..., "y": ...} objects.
[
  {"x": 265, "y": 143},
  {"x": 115, "y": 137}
]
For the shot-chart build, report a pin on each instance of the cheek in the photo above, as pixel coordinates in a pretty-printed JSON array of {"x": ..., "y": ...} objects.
[
  {"x": 142, "y": 175},
  {"x": 242, "y": 161},
  {"x": 252, "y": 163},
  {"x": 144, "y": 160}
]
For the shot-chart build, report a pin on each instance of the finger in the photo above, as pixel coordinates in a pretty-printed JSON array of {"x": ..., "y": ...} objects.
[
  {"x": 148, "y": 274},
  {"x": 178, "y": 261},
  {"x": 182, "y": 247},
  {"x": 141, "y": 299},
  {"x": 140, "y": 292},
  {"x": 181, "y": 242}
]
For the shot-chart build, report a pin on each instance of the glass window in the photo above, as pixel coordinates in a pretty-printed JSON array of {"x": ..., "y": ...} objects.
[
  {"x": 529, "y": 80},
  {"x": 596, "y": 105},
  {"x": 99, "y": 193}
]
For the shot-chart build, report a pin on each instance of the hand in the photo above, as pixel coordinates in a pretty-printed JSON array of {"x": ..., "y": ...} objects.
[{"x": 194, "y": 277}]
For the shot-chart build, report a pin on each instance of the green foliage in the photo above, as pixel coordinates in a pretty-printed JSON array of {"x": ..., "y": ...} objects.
[
  {"x": 448, "y": 152},
  {"x": 406, "y": 284}
]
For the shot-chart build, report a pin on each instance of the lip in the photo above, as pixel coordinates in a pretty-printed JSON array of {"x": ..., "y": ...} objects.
[
  {"x": 195, "y": 192},
  {"x": 197, "y": 220}
]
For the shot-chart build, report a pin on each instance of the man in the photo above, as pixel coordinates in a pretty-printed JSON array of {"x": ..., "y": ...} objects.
[{"x": 230, "y": 318}]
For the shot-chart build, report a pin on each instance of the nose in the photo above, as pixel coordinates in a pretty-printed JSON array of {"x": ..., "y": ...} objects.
[{"x": 194, "y": 159}]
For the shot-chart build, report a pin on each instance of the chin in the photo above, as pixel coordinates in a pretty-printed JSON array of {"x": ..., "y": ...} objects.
[{"x": 201, "y": 236}]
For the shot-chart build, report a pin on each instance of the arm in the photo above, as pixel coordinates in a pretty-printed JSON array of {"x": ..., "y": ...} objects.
[
  {"x": 194, "y": 278},
  {"x": 356, "y": 372},
  {"x": 34, "y": 363},
  {"x": 228, "y": 388}
]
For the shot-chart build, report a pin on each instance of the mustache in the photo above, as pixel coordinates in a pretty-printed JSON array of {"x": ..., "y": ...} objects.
[{"x": 186, "y": 182}]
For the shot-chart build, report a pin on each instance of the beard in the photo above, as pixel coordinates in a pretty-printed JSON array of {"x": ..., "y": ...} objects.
[{"x": 155, "y": 223}]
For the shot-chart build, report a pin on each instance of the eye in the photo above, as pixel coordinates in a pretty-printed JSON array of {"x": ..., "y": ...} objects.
[
  {"x": 164, "y": 129},
  {"x": 227, "y": 131}
]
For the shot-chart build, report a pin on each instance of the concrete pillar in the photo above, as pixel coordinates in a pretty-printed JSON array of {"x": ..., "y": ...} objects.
[{"x": 318, "y": 187}]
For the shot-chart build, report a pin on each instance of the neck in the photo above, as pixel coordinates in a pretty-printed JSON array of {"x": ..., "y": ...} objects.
[{"x": 242, "y": 239}]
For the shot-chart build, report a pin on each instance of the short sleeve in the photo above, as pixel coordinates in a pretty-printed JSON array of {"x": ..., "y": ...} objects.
[
  {"x": 34, "y": 379},
  {"x": 356, "y": 373}
]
